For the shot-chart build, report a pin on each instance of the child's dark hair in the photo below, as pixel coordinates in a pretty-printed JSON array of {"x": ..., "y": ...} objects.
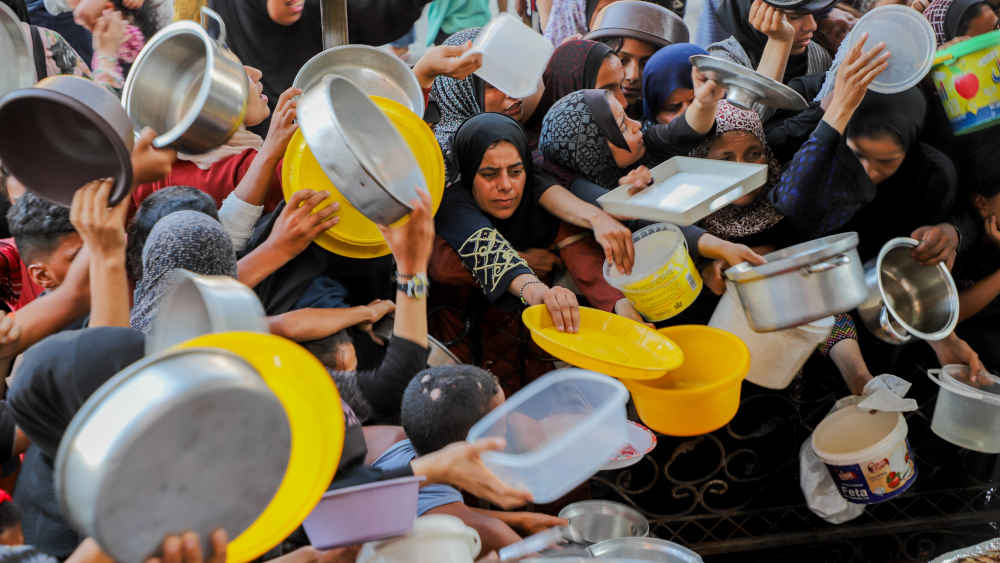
[
  {"x": 156, "y": 206},
  {"x": 38, "y": 226},
  {"x": 442, "y": 403},
  {"x": 325, "y": 349}
]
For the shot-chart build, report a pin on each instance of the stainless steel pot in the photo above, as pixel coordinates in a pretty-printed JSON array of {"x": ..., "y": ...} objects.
[
  {"x": 359, "y": 149},
  {"x": 64, "y": 132},
  {"x": 594, "y": 521},
  {"x": 18, "y": 68},
  {"x": 374, "y": 71},
  {"x": 801, "y": 283},
  {"x": 644, "y": 549},
  {"x": 198, "y": 305},
  {"x": 906, "y": 298},
  {"x": 189, "y": 88},
  {"x": 156, "y": 449}
]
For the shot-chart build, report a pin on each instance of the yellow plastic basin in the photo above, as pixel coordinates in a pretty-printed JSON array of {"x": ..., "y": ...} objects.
[
  {"x": 703, "y": 394},
  {"x": 355, "y": 235},
  {"x": 606, "y": 343},
  {"x": 316, "y": 419}
]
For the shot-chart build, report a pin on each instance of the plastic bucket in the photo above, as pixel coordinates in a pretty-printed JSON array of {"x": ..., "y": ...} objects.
[
  {"x": 704, "y": 393},
  {"x": 966, "y": 416},
  {"x": 775, "y": 357},
  {"x": 866, "y": 453},
  {"x": 664, "y": 280},
  {"x": 966, "y": 76}
]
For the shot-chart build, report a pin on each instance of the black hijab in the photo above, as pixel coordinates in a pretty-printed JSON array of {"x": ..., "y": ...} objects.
[
  {"x": 734, "y": 16},
  {"x": 900, "y": 115},
  {"x": 19, "y": 7}
]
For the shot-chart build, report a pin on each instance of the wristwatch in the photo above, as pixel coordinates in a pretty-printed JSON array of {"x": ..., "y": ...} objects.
[{"x": 416, "y": 286}]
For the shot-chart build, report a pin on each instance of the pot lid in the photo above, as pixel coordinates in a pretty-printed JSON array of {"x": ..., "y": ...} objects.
[
  {"x": 795, "y": 257},
  {"x": 746, "y": 87},
  {"x": 908, "y": 36},
  {"x": 18, "y": 69}
]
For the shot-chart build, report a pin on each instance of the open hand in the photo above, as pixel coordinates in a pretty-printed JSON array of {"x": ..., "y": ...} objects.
[
  {"x": 298, "y": 225},
  {"x": 616, "y": 240},
  {"x": 460, "y": 465},
  {"x": 109, "y": 33},
  {"x": 771, "y": 21},
  {"x": 854, "y": 76},
  {"x": 102, "y": 228},
  {"x": 447, "y": 60},
  {"x": 954, "y": 350},
  {"x": 530, "y": 523},
  {"x": 283, "y": 124}
]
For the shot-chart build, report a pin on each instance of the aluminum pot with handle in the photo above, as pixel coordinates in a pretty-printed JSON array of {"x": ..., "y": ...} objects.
[
  {"x": 188, "y": 87},
  {"x": 907, "y": 298},
  {"x": 802, "y": 283},
  {"x": 359, "y": 149}
]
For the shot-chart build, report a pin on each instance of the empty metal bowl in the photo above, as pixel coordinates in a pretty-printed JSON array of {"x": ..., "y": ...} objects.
[
  {"x": 594, "y": 521},
  {"x": 157, "y": 449},
  {"x": 644, "y": 21},
  {"x": 644, "y": 549}
]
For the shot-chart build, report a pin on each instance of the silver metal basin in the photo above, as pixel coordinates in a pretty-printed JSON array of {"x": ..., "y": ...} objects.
[{"x": 594, "y": 521}]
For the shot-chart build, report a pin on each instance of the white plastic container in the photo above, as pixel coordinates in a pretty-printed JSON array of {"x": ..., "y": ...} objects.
[
  {"x": 514, "y": 56},
  {"x": 908, "y": 37},
  {"x": 560, "y": 430},
  {"x": 866, "y": 453},
  {"x": 685, "y": 190},
  {"x": 437, "y": 537},
  {"x": 966, "y": 416},
  {"x": 775, "y": 357}
]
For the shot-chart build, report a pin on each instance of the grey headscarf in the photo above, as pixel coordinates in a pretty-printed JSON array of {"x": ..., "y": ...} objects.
[
  {"x": 184, "y": 239},
  {"x": 457, "y": 100}
]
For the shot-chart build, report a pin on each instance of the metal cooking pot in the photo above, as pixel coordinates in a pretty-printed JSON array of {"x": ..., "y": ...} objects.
[
  {"x": 359, "y": 149},
  {"x": 189, "y": 88},
  {"x": 69, "y": 131},
  {"x": 198, "y": 305},
  {"x": 155, "y": 450},
  {"x": 644, "y": 549},
  {"x": 18, "y": 68},
  {"x": 644, "y": 21},
  {"x": 594, "y": 521},
  {"x": 907, "y": 298},
  {"x": 374, "y": 71},
  {"x": 801, "y": 283}
]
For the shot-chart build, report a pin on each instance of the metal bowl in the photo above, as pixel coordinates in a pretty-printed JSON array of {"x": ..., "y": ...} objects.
[
  {"x": 70, "y": 131},
  {"x": 198, "y": 305},
  {"x": 744, "y": 87},
  {"x": 18, "y": 69},
  {"x": 644, "y": 549},
  {"x": 908, "y": 298},
  {"x": 155, "y": 450},
  {"x": 595, "y": 521},
  {"x": 359, "y": 149},
  {"x": 644, "y": 21},
  {"x": 374, "y": 71}
]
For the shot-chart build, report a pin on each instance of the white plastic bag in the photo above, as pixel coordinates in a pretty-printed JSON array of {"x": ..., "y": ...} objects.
[{"x": 821, "y": 493}]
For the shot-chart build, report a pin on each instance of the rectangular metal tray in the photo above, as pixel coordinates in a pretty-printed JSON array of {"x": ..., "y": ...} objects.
[{"x": 685, "y": 190}]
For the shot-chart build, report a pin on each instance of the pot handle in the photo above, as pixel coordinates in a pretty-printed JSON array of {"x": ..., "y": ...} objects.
[
  {"x": 532, "y": 544},
  {"x": 821, "y": 267},
  {"x": 886, "y": 323},
  {"x": 206, "y": 13}
]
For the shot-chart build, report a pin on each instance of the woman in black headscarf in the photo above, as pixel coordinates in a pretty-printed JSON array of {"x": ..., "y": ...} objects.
[{"x": 55, "y": 378}]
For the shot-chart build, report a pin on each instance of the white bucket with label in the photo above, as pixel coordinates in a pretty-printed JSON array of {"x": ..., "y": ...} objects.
[
  {"x": 664, "y": 280},
  {"x": 866, "y": 453},
  {"x": 775, "y": 357}
]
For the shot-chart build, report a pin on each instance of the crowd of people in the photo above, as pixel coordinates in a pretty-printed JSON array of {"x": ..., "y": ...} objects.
[{"x": 519, "y": 223}]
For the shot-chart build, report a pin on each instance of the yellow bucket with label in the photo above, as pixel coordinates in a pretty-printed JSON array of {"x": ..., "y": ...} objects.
[
  {"x": 967, "y": 78},
  {"x": 664, "y": 280}
]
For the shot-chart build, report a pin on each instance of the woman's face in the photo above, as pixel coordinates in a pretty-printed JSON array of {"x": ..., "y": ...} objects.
[
  {"x": 632, "y": 131},
  {"x": 610, "y": 77},
  {"x": 805, "y": 26},
  {"x": 739, "y": 146},
  {"x": 499, "y": 182},
  {"x": 675, "y": 105},
  {"x": 880, "y": 156},
  {"x": 498, "y": 102},
  {"x": 285, "y": 12},
  {"x": 257, "y": 110},
  {"x": 984, "y": 21}
]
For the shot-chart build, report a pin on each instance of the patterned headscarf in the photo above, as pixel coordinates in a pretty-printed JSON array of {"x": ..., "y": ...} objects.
[
  {"x": 575, "y": 135},
  {"x": 946, "y": 16},
  {"x": 187, "y": 240},
  {"x": 734, "y": 222},
  {"x": 458, "y": 100}
]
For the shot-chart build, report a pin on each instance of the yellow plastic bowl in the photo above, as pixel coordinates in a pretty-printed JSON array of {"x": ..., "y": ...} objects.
[
  {"x": 316, "y": 419},
  {"x": 355, "y": 235},
  {"x": 703, "y": 394},
  {"x": 606, "y": 343}
]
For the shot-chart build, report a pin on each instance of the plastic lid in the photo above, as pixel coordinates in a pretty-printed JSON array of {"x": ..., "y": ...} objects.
[
  {"x": 908, "y": 36},
  {"x": 977, "y": 43}
]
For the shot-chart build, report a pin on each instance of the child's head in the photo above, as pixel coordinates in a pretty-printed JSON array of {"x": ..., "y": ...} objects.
[
  {"x": 441, "y": 404},
  {"x": 158, "y": 205},
  {"x": 45, "y": 238},
  {"x": 10, "y": 521},
  {"x": 336, "y": 351}
]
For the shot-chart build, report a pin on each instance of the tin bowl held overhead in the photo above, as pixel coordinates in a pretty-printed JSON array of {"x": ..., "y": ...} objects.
[
  {"x": 360, "y": 150},
  {"x": 69, "y": 131},
  {"x": 187, "y": 87}
]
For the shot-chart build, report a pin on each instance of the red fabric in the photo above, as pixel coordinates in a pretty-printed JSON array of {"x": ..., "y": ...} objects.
[
  {"x": 584, "y": 260},
  {"x": 16, "y": 287},
  {"x": 218, "y": 181}
]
